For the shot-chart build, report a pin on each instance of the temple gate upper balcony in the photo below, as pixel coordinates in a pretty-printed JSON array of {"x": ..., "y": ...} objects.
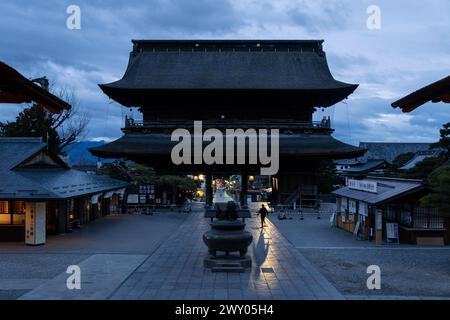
[{"x": 285, "y": 126}]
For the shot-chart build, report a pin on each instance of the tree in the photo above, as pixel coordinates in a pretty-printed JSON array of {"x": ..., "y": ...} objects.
[
  {"x": 327, "y": 176},
  {"x": 180, "y": 187},
  {"x": 444, "y": 141},
  {"x": 141, "y": 174},
  {"x": 58, "y": 130},
  {"x": 439, "y": 178},
  {"x": 32, "y": 122},
  {"x": 70, "y": 124},
  {"x": 400, "y": 161},
  {"x": 439, "y": 181},
  {"x": 423, "y": 168},
  {"x": 115, "y": 170}
]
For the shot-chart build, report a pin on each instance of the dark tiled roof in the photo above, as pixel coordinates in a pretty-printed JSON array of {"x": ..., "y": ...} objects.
[
  {"x": 139, "y": 144},
  {"x": 43, "y": 183},
  {"x": 386, "y": 189},
  {"x": 15, "y": 88},
  {"x": 227, "y": 65},
  {"x": 13, "y": 151},
  {"x": 366, "y": 167},
  {"x": 389, "y": 150},
  {"x": 70, "y": 183},
  {"x": 420, "y": 156}
]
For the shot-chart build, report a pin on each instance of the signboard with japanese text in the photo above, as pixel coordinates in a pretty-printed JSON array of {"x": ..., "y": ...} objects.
[
  {"x": 146, "y": 194},
  {"x": 133, "y": 198},
  {"x": 392, "y": 232},
  {"x": 362, "y": 185}
]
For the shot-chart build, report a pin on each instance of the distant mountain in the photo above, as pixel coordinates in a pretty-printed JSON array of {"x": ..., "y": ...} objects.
[{"x": 78, "y": 153}]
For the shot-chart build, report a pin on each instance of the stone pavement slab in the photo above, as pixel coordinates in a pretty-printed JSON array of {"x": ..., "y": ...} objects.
[
  {"x": 101, "y": 274},
  {"x": 120, "y": 233},
  {"x": 175, "y": 270}
]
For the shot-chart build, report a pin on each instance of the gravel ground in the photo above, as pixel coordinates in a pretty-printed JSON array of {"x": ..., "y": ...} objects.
[
  {"x": 28, "y": 270},
  {"x": 36, "y": 266},
  {"x": 11, "y": 294},
  {"x": 406, "y": 270}
]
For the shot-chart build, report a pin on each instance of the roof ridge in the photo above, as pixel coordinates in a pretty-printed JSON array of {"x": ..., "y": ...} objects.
[
  {"x": 22, "y": 139},
  {"x": 392, "y": 179},
  {"x": 396, "y": 142}
]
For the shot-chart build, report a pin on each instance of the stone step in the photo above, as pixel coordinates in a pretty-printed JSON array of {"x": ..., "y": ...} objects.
[
  {"x": 228, "y": 269},
  {"x": 228, "y": 265}
]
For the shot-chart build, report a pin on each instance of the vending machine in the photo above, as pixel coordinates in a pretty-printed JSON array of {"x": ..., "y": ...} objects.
[{"x": 35, "y": 228}]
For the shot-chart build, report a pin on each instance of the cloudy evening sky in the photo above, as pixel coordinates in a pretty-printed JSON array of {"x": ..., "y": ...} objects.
[{"x": 411, "y": 49}]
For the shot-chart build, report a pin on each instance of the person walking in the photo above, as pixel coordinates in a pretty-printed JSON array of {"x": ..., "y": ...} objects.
[{"x": 262, "y": 213}]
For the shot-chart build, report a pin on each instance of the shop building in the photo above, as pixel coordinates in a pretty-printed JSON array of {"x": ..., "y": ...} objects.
[
  {"x": 388, "y": 210},
  {"x": 40, "y": 194}
]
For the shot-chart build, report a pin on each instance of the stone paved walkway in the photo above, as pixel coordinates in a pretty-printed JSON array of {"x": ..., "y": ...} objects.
[{"x": 175, "y": 270}]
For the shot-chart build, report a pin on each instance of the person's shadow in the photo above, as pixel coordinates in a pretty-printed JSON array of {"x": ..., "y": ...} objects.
[{"x": 260, "y": 249}]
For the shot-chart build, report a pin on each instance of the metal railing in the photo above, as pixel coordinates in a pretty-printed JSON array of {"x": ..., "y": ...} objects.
[{"x": 282, "y": 124}]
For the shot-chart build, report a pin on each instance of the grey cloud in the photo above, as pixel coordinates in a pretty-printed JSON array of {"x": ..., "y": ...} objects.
[
  {"x": 318, "y": 16},
  {"x": 34, "y": 39},
  {"x": 360, "y": 123}
]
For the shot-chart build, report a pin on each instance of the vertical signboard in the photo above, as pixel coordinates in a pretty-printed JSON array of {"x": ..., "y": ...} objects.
[
  {"x": 392, "y": 232},
  {"x": 378, "y": 226},
  {"x": 35, "y": 228},
  {"x": 362, "y": 208},
  {"x": 378, "y": 219}
]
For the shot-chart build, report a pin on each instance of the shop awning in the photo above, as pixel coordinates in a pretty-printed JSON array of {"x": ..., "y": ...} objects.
[{"x": 387, "y": 190}]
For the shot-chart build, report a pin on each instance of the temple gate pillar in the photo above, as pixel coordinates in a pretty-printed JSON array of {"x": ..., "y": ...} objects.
[
  {"x": 244, "y": 187},
  {"x": 208, "y": 189}
]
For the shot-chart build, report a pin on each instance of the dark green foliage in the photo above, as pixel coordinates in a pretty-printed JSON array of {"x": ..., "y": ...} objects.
[
  {"x": 58, "y": 130},
  {"x": 113, "y": 170},
  {"x": 327, "y": 176},
  {"x": 33, "y": 122},
  {"x": 438, "y": 174},
  {"x": 401, "y": 160},
  {"x": 179, "y": 187},
  {"x": 444, "y": 141},
  {"x": 439, "y": 181},
  {"x": 423, "y": 168}
]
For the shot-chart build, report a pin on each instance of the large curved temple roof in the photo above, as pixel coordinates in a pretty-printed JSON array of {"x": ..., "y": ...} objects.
[
  {"x": 303, "y": 145},
  {"x": 159, "y": 67}
]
